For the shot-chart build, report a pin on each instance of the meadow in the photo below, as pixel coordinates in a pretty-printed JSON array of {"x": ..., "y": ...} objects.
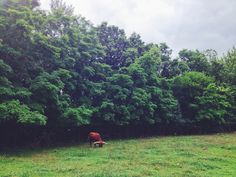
[{"x": 205, "y": 155}]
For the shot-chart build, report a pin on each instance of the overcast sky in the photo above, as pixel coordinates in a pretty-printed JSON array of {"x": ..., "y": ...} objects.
[{"x": 192, "y": 24}]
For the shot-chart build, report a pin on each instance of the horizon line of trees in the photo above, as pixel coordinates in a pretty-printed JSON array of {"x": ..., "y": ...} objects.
[{"x": 58, "y": 70}]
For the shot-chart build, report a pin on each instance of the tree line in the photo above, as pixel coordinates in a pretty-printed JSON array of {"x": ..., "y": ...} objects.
[{"x": 59, "y": 70}]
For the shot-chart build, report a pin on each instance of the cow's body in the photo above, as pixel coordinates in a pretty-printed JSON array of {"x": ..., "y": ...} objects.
[{"x": 95, "y": 137}]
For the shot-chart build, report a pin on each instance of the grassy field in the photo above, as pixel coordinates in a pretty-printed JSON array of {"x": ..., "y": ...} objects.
[{"x": 211, "y": 155}]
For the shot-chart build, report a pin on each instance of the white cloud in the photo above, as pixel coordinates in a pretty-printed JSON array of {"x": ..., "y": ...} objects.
[{"x": 193, "y": 24}]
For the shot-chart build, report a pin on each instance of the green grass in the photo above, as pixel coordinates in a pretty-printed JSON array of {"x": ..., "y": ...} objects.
[{"x": 211, "y": 155}]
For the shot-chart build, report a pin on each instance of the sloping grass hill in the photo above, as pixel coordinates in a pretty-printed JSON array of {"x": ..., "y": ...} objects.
[{"x": 209, "y": 155}]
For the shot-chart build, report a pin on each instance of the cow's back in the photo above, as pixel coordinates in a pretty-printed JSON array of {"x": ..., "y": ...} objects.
[{"x": 94, "y": 136}]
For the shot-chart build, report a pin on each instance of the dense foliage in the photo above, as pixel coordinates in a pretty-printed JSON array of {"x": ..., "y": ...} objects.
[{"x": 57, "y": 69}]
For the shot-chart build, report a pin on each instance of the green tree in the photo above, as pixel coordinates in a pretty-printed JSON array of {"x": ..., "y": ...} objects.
[
  {"x": 173, "y": 68},
  {"x": 229, "y": 72},
  {"x": 78, "y": 116},
  {"x": 48, "y": 95},
  {"x": 6, "y": 88},
  {"x": 20, "y": 113},
  {"x": 150, "y": 60},
  {"x": 115, "y": 44},
  {"x": 186, "y": 88},
  {"x": 165, "y": 52},
  {"x": 167, "y": 107},
  {"x": 196, "y": 60},
  {"x": 141, "y": 107},
  {"x": 214, "y": 105}
]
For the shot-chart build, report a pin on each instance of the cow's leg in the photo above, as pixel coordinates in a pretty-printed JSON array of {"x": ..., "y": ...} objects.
[{"x": 94, "y": 145}]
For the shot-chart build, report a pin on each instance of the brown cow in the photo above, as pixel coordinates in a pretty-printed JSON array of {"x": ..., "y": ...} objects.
[{"x": 95, "y": 139}]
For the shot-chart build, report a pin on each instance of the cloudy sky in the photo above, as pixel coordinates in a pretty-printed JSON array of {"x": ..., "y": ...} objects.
[{"x": 192, "y": 24}]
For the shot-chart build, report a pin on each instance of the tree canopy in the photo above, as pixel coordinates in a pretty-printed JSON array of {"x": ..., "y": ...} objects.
[{"x": 58, "y": 69}]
